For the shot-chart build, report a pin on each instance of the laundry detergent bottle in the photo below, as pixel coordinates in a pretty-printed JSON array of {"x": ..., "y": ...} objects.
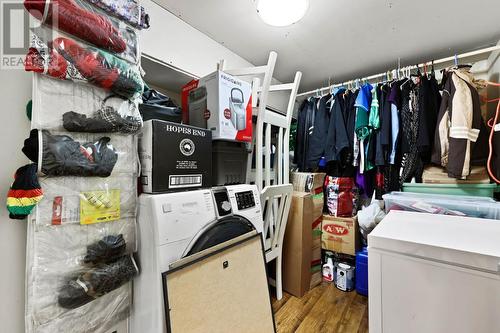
[{"x": 327, "y": 270}]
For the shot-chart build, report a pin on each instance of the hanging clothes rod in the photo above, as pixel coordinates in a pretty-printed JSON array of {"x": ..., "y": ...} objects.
[{"x": 439, "y": 61}]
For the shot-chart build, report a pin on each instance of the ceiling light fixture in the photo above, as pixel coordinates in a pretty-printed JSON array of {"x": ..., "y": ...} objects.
[{"x": 280, "y": 13}]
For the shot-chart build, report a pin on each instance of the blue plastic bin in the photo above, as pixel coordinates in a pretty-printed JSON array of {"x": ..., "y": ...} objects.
[{"x": 362, "y": 272}]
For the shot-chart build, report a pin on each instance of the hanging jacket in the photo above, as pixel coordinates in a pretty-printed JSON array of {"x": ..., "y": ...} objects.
[
  {"x": 429, "y": 102},
  {"x": 350, "y": 115},
  {"x": 385, "y": 141},
  {"x": 298, "y": 150},
  {"x": 395, "y": 100},
  {"x": 374, "y": 125},
  {"x": 459, "y": 123},
  {"x": 305, "y": 121},
  {"x": 384, "y": 128},
  {"x": 337, "y": 138},
  {"x": 316, "y": 146}
]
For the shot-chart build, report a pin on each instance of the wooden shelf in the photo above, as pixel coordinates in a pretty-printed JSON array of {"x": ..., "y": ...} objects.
[{"x": 164, "y": 76}]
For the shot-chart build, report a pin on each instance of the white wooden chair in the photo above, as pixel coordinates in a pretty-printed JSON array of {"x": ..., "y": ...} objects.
[
  {"x": 276, "y": 195},
  {"x": 275, "y": 201},
  {"x": 282, "y": 122},
  {"x": 261, "y": 77}
]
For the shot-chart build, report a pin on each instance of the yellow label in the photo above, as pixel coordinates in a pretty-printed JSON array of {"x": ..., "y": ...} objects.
[{"x": 99, "y": 206}]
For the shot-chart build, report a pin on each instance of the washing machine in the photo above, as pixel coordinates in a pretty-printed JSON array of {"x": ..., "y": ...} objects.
[{"x": 174, "y": 225}]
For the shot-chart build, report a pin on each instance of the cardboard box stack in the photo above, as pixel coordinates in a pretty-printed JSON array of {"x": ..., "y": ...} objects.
[
  {"x": 340, "y": 234},
  {"x": 297, "y": 245},
  {"x": 312, "y": 183}
]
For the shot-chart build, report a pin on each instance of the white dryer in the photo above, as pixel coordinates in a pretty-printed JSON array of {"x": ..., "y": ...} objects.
[{"x": 174, "y": 225}]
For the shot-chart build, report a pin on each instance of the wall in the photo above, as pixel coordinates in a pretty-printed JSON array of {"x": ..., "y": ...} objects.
[
  {"x": 186, "y": 48},
  {"x": 170, "y": 40},
  {"x": 176, "y": 97},
  {"x": 15, "y": 129},
  {"x": 174, "y": 42}
]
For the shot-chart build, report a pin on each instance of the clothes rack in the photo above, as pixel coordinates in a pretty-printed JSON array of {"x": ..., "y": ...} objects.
[{"x": 436, "y": 62}]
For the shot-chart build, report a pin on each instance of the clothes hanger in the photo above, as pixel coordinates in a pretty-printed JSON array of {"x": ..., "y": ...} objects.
[
  {"x": 406, "y": 77},
  {"x": 419, "y": 73},
  {"x": 387, "y": 79},
  {"x": 333, "y": 91},
  {"x": 415, "y": 77},
  {"x": 399, "y": 68}
]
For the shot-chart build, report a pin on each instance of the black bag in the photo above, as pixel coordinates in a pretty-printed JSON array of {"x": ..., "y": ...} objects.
[{"x": 158, "y": 106}]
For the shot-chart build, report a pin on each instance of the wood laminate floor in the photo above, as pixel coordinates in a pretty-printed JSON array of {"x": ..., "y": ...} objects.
[{"x": 323, "y": 309}]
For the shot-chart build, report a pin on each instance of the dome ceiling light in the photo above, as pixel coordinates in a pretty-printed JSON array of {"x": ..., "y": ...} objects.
[{"x": 281, "y": 13}]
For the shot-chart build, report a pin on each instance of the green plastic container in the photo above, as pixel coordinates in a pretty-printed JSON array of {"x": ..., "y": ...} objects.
[{"x": 477, "y": 190}]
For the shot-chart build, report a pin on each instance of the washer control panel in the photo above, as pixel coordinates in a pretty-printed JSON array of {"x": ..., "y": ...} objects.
[{"x": 245, "y": 200}]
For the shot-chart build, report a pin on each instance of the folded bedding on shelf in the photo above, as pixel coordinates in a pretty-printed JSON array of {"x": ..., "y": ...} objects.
[{"x": 438, "y": 175}]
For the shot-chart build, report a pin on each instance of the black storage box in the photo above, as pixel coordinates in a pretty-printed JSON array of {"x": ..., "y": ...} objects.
[
  {"x": 174, "y": 157},
  {"x": 229, "y": 162}
]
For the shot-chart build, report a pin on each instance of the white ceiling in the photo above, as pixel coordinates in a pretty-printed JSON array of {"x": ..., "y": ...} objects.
[{"x": 344, "y": 39}]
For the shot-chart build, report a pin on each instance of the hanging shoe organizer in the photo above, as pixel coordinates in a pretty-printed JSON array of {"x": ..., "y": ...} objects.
[{"x": 82, "y": 234}]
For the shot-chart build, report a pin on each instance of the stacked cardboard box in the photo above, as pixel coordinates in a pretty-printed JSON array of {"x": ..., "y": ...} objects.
[
  {"x": 340, "y": 234},
  {"x": 297, "y": 245},
  {"x": 312, "y": 183}
]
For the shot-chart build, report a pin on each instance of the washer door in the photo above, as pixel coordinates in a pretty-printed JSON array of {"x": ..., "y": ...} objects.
[{"x": 221, "y": 231}]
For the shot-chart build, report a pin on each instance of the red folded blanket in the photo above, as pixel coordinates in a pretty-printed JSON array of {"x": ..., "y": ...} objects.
[{"x": 67, "y": 16}]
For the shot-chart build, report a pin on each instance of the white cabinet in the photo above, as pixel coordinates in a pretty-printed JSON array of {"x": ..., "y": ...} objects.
[{"x": 433, "y": 274}]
